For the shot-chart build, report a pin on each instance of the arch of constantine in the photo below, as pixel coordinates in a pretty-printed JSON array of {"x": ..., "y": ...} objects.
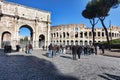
[{"x": 14, "y": 16}]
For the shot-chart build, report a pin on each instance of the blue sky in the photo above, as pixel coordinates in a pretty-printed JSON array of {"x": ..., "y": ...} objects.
[{"x": 68, "y": 11}]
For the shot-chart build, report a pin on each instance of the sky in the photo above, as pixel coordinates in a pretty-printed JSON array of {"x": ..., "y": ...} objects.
[{"x": 68, "y": 11}]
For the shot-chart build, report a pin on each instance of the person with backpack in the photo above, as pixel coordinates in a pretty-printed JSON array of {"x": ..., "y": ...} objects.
[{"x": 30, "y": 48}]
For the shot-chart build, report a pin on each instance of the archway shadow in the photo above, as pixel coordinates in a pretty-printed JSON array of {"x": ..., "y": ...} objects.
[
  {"x": 2, "y": 52},
  {"x": 108, "y": 76},
  {"x": 21, "y": 67}
]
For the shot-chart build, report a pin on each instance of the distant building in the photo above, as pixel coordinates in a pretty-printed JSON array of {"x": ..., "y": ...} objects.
[
  {"x": 72, "y": 34},
  {"x": 23, "y": 37}
]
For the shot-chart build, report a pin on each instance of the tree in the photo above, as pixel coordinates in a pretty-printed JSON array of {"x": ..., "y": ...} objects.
[
  {"x": 26, "y": 40},
  {"x": 104, "y": 7},
  {"x": 21, "y": 40},
  {"x": 100, "y": 9},
  {"x": 89, "y": 14}
]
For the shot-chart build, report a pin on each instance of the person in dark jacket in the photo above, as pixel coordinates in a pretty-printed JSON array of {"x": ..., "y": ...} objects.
[
  {"x": 17, "y": 47},
  {"x": 74, "y": 52},
  {"x": 79, "y": 51},
  {"x": 102, "y": 49},
  {"x": 50, "y": 54},
  {"x": 43, "y": 47}
]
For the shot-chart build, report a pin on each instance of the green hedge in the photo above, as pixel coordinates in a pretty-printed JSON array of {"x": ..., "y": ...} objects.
[
  {"x": 115, "y": 41},
  {"x": 114, "y": 44}
]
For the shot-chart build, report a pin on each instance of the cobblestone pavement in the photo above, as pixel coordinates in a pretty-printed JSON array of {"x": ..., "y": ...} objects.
[{"x": 37, "y": 66}]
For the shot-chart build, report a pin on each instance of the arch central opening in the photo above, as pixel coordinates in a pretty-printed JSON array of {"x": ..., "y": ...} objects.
[{"x": 25, "y": 35}]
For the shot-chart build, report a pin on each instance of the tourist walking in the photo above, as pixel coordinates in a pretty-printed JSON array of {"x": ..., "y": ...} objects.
[
  {"x": 30, "y": 48},
  {"x": 102, "y": 49},
  {"x": 74, "y": 52},
  {"x": 85, "y": 50},
  {"x": 43, "y": 47},
  {"x": 54, "y": 50},
  {"x": 50, "y": 53},
  {"x": 26, "y": 49},
  {"x": 18, "y": 47},
  {"x": 79, "y": 51},
  {"x": 64, "y": 49}
]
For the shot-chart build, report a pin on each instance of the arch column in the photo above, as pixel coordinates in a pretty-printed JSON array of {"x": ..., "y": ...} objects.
[
  {"x": 36, "y": 43},
  {"x": 48, "y": 34},
  {"x": 17, "y": 25},
  {"x": 34, "y": 40},
  {"x": 15, "y": 40},
  {"x": 34, "y": 35}
]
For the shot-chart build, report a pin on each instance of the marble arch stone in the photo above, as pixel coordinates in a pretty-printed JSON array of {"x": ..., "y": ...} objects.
[{"x": 13, "y": 16}]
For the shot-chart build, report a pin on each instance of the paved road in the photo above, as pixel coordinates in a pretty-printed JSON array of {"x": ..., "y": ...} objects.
[{"x": 37, "y": 66}]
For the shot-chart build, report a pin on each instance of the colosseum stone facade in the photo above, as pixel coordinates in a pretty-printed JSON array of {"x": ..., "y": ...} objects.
[{"x": 72, "y": 34}]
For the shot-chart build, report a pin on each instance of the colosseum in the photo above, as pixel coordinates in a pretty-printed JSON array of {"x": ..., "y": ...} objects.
[{"x": 72, "y": 34}]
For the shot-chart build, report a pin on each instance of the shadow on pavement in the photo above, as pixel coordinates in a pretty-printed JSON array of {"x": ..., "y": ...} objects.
[
  {"x": 21, "y": 67},
  {"x": 46, "y": 54},
  {"x": 115, "y": 50},
  {"x": 3, "y": 52},
  {"x": 111, "y": 55},
  {"x": 66, "y": 57},
  {"x": 107, "y": 76}
]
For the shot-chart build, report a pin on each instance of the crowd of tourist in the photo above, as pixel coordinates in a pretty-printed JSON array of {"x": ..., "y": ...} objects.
[
  {"x": 54, "y": 50},
  {"x": 28, "y": 48},
  {"x": 75, "y": 50}
]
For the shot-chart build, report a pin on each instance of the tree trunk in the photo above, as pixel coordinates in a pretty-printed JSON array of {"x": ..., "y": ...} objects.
[
  {"x": 93, "y": 34},
  {"x": 106, "y": 33},
  {"x": 92, "y": 21}
]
